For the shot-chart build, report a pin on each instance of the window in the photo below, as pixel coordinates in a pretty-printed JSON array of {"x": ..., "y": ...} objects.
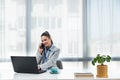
[
  {"x": 103, "y": 18},
  {"x": 23, "y": 21},
  {"x": 12, "y": 28}
]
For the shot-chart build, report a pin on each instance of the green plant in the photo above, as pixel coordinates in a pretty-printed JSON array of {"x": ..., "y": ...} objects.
[{"x": 101, "y": 59}]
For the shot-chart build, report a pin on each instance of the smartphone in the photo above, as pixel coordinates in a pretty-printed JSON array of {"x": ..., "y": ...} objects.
[{"x": 42, "y": 46}]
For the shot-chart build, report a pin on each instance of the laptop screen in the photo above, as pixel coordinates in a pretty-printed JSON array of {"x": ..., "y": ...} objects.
[{"x": 24, "y": 64}]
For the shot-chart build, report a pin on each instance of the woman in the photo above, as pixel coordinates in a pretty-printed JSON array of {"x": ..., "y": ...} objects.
[{"x": 47, "y": 53}]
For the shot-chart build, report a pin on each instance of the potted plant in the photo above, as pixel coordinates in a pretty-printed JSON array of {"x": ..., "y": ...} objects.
[{"x": 102, "y": 69}]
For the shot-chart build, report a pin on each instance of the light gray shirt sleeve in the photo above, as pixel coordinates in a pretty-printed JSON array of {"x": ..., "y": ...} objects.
[{"x": 38, "y": 57}]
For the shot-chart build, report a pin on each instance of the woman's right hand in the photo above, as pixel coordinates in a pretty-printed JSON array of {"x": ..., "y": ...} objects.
[{"x": 40, "y": 50}]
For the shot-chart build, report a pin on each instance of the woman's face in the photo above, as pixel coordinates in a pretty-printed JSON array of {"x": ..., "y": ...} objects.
[{"x": 46, "y": 41}]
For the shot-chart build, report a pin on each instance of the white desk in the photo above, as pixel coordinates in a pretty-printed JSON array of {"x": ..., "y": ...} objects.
[{"x": 6, "y": 72}]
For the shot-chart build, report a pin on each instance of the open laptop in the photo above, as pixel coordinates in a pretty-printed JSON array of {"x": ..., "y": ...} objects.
[{"x": 25, "y": 64}]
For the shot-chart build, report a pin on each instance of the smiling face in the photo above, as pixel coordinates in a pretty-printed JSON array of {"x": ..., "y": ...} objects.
[{"x": 46, "y": 41}]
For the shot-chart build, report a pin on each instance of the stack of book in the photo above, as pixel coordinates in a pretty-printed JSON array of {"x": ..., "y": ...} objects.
[{"x": 83, "y": 75}]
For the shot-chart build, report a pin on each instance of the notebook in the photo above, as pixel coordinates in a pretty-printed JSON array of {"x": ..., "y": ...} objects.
[{"x": 83, "y": 75}]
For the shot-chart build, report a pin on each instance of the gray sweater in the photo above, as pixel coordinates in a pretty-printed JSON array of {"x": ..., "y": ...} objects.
[{"x": 52, "y": 57}]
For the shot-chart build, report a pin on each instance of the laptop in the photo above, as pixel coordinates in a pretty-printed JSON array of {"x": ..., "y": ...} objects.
[{"x": 25, "y": 64}]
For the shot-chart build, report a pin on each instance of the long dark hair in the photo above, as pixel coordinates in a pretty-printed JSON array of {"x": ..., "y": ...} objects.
[{"x": 46, "y": 33}]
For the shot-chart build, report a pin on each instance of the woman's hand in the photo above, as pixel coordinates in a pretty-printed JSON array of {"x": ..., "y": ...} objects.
[
  {"x": 40, "y": 50},
  {"x": 39, "y": 67}
]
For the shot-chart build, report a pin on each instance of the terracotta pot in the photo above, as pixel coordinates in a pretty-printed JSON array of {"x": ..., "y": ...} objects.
[{"x": 102, "y": 71}]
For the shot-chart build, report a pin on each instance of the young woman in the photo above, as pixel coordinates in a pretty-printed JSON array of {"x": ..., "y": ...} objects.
[{"x": 47, "y": 53}]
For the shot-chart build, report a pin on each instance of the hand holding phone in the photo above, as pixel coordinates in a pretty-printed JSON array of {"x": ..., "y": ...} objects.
[{"x": 41, "y": 47}]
